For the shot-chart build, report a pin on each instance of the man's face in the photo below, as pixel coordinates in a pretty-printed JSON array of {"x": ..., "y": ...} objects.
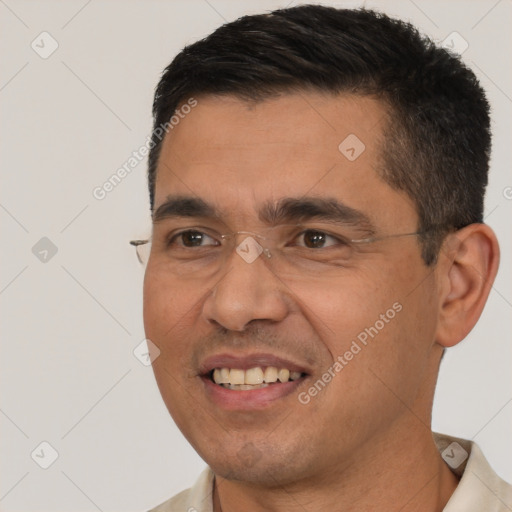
[{"x": 230, "y": 166}]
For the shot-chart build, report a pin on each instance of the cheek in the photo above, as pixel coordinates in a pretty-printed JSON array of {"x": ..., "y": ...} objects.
[
  {"x": 169, "y": 320},
  {"x": 340, "y": 310},
  {"x": 376, "y": 323},
  {"x": 169, "y": 312}
]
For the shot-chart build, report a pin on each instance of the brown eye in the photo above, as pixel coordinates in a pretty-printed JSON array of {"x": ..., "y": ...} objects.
[
  {"x": 192, "y": 238},
  {"x": 314, "y": 239}
]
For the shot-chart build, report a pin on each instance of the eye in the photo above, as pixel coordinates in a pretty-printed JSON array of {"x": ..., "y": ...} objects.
[
  {"x": 192, "y": 238},
  {"x": 314, "y": 239}
]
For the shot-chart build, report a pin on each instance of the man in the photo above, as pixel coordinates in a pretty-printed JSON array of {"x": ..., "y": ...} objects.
[{"x": 316, "y": 183}]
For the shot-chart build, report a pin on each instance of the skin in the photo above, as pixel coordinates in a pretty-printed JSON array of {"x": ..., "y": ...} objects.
[{"x": 364, "y": 442}]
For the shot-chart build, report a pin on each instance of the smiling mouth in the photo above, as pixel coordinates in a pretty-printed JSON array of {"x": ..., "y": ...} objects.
[{"x": 253, "y": 378}]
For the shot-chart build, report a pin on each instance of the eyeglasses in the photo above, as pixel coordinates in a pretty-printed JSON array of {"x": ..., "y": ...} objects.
[{"x": 296, "y": 250}]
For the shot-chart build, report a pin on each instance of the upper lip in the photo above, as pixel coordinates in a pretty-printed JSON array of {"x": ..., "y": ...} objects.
[{"x": 247, "y": 361}]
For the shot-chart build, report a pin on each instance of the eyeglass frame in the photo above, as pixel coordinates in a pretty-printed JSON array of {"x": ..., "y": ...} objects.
[{"x": 441, "y": 229}]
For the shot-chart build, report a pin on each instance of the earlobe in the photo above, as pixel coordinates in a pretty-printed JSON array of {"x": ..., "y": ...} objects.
[{"x": 468, "y": 263}]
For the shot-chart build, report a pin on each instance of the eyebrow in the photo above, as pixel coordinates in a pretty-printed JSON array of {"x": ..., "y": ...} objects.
[
  {"x": 284, "y": 211},
  {"x": 183, "y": 206},
  {"x": 291, "y": 210}
]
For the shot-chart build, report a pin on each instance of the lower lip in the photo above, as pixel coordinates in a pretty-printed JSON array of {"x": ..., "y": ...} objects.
[{"x": 237, "y": 400}]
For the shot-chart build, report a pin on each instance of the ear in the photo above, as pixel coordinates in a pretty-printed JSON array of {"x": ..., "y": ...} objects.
[{"x": 468, "y": 263}]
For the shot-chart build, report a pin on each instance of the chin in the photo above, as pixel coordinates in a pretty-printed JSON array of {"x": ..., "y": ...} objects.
[
  {"x": 259, "y": 466},
  {"x": 264, "y": 474}
]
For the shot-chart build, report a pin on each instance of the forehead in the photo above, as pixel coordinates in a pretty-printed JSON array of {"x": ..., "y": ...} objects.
[{"x": 238, "y": 155}]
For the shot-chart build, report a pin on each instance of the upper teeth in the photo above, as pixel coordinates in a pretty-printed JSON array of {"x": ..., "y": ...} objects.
[{"x": 253, "y": 376}]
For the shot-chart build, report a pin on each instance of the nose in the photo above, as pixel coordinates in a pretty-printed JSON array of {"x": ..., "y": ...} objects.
[{"x": 248, "y": 290}]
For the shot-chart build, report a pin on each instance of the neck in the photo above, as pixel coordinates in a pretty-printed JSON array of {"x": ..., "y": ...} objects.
[{"x": 400, "y": 471}]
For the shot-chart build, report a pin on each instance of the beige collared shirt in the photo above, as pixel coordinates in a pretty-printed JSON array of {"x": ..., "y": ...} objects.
[{"x": 480, "y": 489}]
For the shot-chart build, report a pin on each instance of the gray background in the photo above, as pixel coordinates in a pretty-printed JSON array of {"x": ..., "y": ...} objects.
[{"x": 70, "y": 323}]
